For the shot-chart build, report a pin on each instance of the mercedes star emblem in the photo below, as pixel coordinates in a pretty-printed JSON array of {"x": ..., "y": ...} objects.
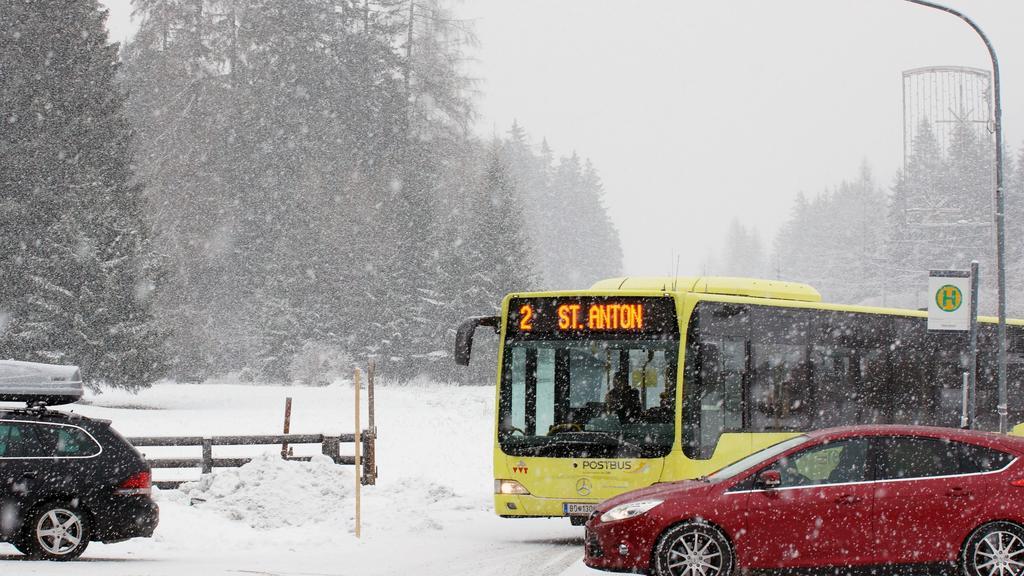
[{"x": 583, "y": 487}]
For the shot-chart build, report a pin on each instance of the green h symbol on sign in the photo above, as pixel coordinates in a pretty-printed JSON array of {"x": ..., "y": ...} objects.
[{"x": 949, "y": 298}]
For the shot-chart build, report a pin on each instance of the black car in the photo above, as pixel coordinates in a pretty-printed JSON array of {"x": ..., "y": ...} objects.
[{"x": 66, "y": 480}]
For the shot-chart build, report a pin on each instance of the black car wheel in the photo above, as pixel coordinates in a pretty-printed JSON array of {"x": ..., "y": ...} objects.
[
  {"x": 995, "y": 549},
  {"x": 56, "y": 531},
  {"x": 693, "y": 549}
]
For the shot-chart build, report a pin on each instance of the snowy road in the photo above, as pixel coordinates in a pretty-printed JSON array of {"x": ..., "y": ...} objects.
[
  {"x": 430, "y": 513},
  {"x": 538, "y": 556}
]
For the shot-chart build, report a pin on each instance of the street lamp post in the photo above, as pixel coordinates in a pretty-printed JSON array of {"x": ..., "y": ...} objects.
[{"x": 999, "y": 215}]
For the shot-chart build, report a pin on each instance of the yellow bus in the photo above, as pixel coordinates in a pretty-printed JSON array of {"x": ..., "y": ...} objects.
[{"x": 644, "y": 380}]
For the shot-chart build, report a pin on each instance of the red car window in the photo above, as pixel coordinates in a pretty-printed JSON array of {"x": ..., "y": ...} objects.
[
  {"x": 910, "y": 457},
  {"x": 837, "y": 462},
  {"x": 975, "y": 459}
]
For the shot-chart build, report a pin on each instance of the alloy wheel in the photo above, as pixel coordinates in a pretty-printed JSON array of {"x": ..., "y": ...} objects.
[
  {"x": 59, "y": 532},
  {"x": 999, "y": 553},
  {"x": 695, "y": 553}
]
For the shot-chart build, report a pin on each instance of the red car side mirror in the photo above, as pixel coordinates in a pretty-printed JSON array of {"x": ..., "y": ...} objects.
[{"x": 769, "y": 479}]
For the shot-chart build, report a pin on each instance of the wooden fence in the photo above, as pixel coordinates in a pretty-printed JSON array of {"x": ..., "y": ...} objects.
[{"x": 329, "y": 445}]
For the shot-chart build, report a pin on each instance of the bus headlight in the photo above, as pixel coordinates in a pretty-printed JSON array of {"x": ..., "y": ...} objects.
[
  {"x": 629, "y": 510},
  {"x": 509, "y": 487}
]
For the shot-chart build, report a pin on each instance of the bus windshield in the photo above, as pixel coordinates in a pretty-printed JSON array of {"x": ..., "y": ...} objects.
[{"x": 593, "y": 397}]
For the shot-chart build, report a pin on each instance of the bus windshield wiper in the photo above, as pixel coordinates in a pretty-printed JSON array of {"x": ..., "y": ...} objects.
[{"x": 598, "y": 437}]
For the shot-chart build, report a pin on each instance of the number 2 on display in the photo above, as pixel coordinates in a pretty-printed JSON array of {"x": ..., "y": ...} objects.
[{"x": 526, "y": 318}]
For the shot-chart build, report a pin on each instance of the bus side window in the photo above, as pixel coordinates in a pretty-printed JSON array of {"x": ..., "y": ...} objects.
[
  {"x": 716, "y": 361},
  {"x": 835, "y": 369},
  {"x": 1015, "y": 373},
  {"x": 913, "y": 395},
  {"x": 780, "y": 393},
  {"x": 834, "y": 374}
]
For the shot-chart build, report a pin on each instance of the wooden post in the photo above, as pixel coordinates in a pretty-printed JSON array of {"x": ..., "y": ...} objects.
[
  {"x": 287, "y": 424},
  {"x": 358, "y": 467},
  {"x": 207, "y": 455},
  {"x": 371, "y": 370},
  {"x": 370, "y": 440},
  {"x": 369, "y": 468},
  {"x": 331, "y": 447}
]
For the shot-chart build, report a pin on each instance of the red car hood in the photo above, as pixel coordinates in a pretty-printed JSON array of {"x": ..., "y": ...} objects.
[{"x": 663, "y": 491}]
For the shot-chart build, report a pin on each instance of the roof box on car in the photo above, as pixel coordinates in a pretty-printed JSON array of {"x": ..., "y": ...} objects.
[{"x": 39, "y": 384}]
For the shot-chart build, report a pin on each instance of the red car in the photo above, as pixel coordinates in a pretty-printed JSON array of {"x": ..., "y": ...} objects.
[{"x": 859, "y": 496}]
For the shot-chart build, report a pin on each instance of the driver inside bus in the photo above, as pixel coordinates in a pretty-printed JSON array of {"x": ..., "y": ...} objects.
[
  {"x": 623, "y": 400},
  {"x": 665, "y": 410}
]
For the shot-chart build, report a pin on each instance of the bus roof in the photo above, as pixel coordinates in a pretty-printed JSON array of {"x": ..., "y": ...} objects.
[{"x": 753, "y": 287}]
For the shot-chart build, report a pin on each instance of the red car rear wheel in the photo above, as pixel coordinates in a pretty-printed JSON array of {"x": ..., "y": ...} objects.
[{"x": 995, "y": 549}]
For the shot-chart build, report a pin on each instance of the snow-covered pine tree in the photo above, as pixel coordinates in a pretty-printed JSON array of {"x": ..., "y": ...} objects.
[
  {"x": 971, "y": 186},
  {"x": 1014, "y": 206},
  {"x": 920, "y": 205},
  {"x": 562, "y": 232},
  {"x": 503, "y": 263},
  {"x": 77, "y": 269},
  {"x": 410, "y": 227},
  {"x": 312, "y": 173},
  {"x": 531, "y": 175},
  {"x": 859, "y": 239},
  {"x": 273, "y": 135},
  {"x": 601, "y": 252},
  {"x": 744, "y": 253},
  {"x": 789, "y": 248},
  {"x": 835, "y": 241},
  {"x": 180, "y": 71}
]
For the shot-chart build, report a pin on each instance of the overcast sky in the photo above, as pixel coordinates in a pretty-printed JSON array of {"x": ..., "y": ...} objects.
[{"x": 698, "y": 112}]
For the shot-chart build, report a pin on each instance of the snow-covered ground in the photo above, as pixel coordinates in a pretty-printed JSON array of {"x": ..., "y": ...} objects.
[{"x": 429, "y": 514}]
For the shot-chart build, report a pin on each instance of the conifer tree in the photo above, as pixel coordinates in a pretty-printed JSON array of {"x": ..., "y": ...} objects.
[
  {"x": 602, "y": 251},
  {"x": 919, "y": 207},
  {"x": 858, "y": 254},
  {"x": 179, "y": 74},
  {"x": 744, "y": 254},
  {"x": 316, "y": 186},
  {"x": 1014, "y": 206},
  {"x": 77, "y": 270}
]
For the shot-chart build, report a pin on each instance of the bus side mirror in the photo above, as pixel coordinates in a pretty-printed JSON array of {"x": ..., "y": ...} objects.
[
  {"x": 464, "y": 336},
  {"x": 769, "y": 479}
]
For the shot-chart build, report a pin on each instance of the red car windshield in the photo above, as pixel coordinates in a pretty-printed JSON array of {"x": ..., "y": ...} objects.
[{"x": 756, "y": 458}]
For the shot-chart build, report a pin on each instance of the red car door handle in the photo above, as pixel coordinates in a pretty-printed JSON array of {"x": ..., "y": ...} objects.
[
  {"x": 958, "y": 493},
  {"x": 848, "y": 499}
]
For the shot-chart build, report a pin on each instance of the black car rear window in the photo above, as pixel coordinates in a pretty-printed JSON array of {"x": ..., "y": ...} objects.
[
  {"x": 16, "y": 440},
  {"x": 20, "y": 439},
  {"x": 65, "y": 441}
]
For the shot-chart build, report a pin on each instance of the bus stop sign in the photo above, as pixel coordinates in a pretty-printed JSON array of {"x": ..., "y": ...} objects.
[{"x": 949, "y": 300}]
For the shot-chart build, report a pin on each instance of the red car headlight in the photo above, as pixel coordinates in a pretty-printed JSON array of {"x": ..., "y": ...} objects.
[{"x": 629, "y": 510}]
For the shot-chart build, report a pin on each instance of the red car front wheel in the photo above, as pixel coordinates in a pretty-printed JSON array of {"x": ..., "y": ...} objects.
[{"x": 693, "y": 549}]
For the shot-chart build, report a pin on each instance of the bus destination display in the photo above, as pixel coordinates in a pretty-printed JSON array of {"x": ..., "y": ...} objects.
[{"x": 576, "y": 316}]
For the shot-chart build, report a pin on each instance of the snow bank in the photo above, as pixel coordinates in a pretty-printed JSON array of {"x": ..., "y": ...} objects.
[{"x": 272, "y": 493}]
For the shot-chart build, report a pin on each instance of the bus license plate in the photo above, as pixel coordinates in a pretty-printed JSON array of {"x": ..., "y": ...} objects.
[{"x": 577, "y": 508}]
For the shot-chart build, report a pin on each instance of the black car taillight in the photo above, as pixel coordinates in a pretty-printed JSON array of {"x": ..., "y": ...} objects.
[{"x": 139, "y": 483}]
